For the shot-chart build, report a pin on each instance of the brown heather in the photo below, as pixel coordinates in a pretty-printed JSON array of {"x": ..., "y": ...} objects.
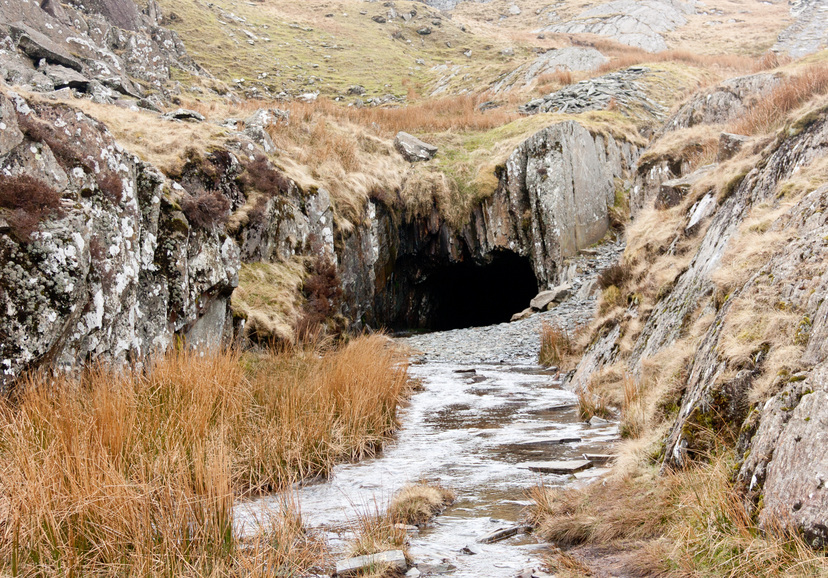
[
  {"x": 792, "y": 92},
  {"x": 136, "y": 472}
]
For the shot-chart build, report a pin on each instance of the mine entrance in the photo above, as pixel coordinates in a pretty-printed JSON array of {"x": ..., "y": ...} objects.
[{"x": 473, "y": 295}]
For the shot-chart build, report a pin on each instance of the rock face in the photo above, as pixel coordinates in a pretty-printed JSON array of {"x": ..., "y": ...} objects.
[
  {"x": 116, "y": 270},
  {"x": 638, "y": 23},
  {"x": 569, "y": 58},
  {"x": 98, "y": 47},
  {"x": 123, "y": 263},
  {"x": 808, "y": 33},
  {"x": 778, "y": 429}
]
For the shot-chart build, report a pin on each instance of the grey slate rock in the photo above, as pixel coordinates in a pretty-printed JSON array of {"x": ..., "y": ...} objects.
[
  {"x": 353, "y": 566},
  {"x": 413, "y": 149}
]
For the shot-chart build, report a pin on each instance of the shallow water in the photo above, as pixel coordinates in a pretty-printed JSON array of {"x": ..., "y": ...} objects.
[{"x": 475, "y": 433}]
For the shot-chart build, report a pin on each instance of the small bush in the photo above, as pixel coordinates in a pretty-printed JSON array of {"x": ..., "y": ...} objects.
[
  {"x": 206, "y": 209},
  {"x": 260, "y": 175},
  {"x": 28, "y": 201},
  {"x": 323, "y": 295},
  {"x": 111, "y": 186},
  {"x": 555, "y": 345},
  {"x": 616, "y": 275}
]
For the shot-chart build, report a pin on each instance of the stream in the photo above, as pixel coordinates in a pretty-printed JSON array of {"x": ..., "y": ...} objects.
[{"x": 487, "y": 412}]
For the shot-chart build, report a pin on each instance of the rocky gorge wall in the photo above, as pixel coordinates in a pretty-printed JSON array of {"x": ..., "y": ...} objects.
[
  {"x": 741, "y": 321},
  {"x": 122, "y": 260}
]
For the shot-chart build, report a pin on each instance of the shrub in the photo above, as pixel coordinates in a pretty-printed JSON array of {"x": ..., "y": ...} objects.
[
  {"x": 206, "y": 209},
  {"x": 111, "y": 186},
  {"x": 323, "y": 295},
  {"x": 260, "y": 175},
  {"x": 28, "y": 201},
  {"x": 616, "y": 275},
  {"x": 791, "y": 93}
]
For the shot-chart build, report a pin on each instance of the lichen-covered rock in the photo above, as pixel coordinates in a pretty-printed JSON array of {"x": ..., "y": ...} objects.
[
  {"x": 108, "y": 42},
  {"x": 116, "y": 272}
]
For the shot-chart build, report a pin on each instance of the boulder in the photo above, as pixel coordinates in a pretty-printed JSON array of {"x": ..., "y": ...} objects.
[
  {"x": 395, "y": 559},
  {"x": 379, "y": 19},
  {"x": 39, "y": 46},
  {"x": 413, "y": 149},
  {"x": 63, "y": 77},
  {"x": 525, "y": 314},
  {"x": 356, "y": 90},
  {"x": 672, "y": 192},
  {"x": 729, "y": 145},
  {"x": 185, "y": 114},
  {"x": 424, "y": 31},
  {"x": 545, "y": 298},
  {"x": 699, "y": 212}
]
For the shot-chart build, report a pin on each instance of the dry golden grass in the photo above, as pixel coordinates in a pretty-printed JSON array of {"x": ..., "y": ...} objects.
[
  {"x": 376, "y": 531},
  {"x": 794, "y": 91},
  {"x": 692, "y": 521},
  {"x": 416, "y": 504},
  {"x": 134, "y": 472},
  {"x": 556, "y": 345}
]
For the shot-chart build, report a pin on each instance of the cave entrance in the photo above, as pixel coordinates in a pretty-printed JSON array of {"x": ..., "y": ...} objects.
[{"x": 473, "y": 295}]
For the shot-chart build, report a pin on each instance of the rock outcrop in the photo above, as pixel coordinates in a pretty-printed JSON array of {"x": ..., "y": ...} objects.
[
  {"x": 809, "y": 31},
  {"x": 105, "y": 49},
  {"x": 613, "y": 90},
  {"x": 755, "y": 374},
  {"x": 573, "y": 58},
  {"x": 114, "y": 270},
  {"x": 638, "y": 23}
]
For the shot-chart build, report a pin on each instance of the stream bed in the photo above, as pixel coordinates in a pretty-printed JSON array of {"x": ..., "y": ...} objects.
[
  {"x": 475, "y": 427},
  {"x": 486, "y": 413}
]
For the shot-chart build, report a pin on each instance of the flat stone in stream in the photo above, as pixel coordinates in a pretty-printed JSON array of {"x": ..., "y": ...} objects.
[
  {"x": 561, "y": 467},
  {"x": 353, "y": 566},
  {"x": 501, "y": 534},
  {"x": 598, "y": 458},
  {"x": 552, "y": 442}
]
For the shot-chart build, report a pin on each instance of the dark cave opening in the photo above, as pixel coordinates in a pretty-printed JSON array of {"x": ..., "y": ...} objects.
[{"x": 474, "y": 295}]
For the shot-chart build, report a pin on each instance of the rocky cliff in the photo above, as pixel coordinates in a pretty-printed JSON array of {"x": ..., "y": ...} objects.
[{"x": 723, "y": 318}]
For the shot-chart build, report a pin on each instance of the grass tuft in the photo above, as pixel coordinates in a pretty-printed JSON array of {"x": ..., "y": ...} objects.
[{"x": 416, "y": 504}]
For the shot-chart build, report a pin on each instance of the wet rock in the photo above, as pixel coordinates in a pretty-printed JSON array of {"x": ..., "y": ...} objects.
[
  {"x": 545, "y": 298},
  {"x": 597, "y": 421},
  {"x": 471, "y": 550},
  {"x": 729, "y": 145},
  {"x": 185, "y": 115},
  {"x": 561, "y": 467},
  {"x": 436, "y": 567},
  {"x": 501, "y": 534},
  {"x": 395, "y": 559},
  {"x": 413, "y": 149},
  {"x": 413, "y": 573}
]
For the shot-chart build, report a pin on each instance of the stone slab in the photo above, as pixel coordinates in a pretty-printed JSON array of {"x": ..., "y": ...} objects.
[
  {"x": 353, "y": 566},
  {"x": 560, "y": 467}
]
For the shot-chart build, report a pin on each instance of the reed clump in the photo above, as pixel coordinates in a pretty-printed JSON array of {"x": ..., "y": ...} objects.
[{"x": 135, "y": 472}]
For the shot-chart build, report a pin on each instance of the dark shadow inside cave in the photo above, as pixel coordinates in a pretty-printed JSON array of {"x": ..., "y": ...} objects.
[{"x": 473, "y": 295}]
